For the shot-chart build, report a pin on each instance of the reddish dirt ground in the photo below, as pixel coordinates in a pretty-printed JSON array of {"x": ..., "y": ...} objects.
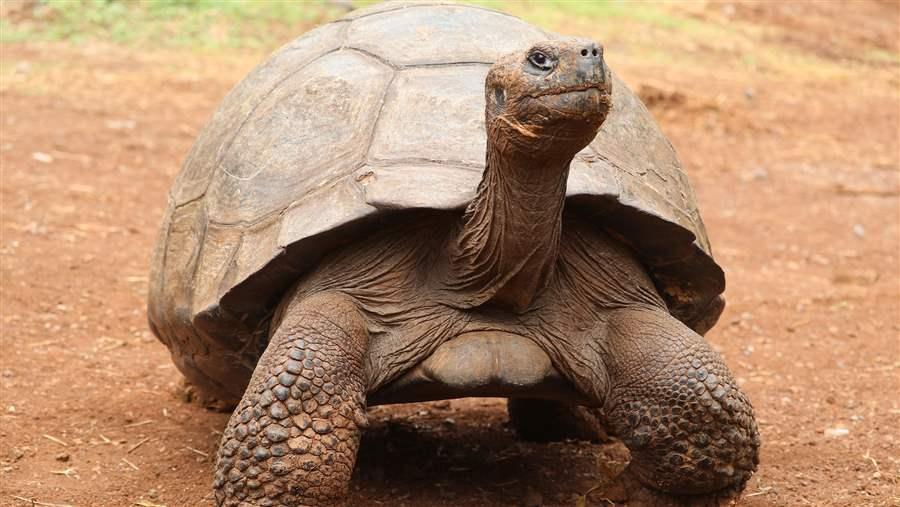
[{"x": 797, "y": 179}]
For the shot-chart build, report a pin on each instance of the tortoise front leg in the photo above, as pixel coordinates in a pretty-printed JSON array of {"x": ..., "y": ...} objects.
[
  {"x": 294, "y": 436},
  {"x": 675, "y": 405}
]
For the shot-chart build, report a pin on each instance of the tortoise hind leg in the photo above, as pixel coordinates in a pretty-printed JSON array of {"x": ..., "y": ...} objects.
[
  {"x": 294, "y": 436},
  {"x": 542, "y": 420}
]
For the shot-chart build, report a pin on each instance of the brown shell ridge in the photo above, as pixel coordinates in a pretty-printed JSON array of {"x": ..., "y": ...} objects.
[
  {"x": 176, "y": 205},
  {"x": 674, "y": 208},
  {"x": 393, "y": 162},
  {"x": 374, "y": 130},
  {"x": 693, "y": 260},
  {"x": 403, "y": 66},
  {"x": 195, "y": 262},
  {"x": 274, "y": 214},
  {"x": 309, "y": 249},
  {"x": 199, "y": 255},
  {"x": 695, "y": 257},
  {"x": 227, "y": 268},
  {"x": 157, "y": 279},
  {"x": 380, "y": 59},
  {"x": 161, "y": 306},
  {"x": 437, "y": 65}
]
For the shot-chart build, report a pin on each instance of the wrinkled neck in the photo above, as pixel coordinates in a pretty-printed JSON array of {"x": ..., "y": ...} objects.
[{"x": 509, "y": 240}]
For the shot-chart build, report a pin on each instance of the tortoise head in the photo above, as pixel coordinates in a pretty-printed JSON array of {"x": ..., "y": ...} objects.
[{"x": 555, "y": 95}]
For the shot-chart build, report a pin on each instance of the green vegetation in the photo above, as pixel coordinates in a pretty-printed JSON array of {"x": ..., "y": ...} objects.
[
  {"x": 266, "y": 23},
  {"x": 606, "y": 12},
  {"x": 171, "y": 23},
  {"x": 658, "y": 32}
]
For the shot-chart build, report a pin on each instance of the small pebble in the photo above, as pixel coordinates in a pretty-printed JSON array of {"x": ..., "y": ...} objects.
[
  {"x": 121, "y": 124},
  {"x": 757, "y": 174},
  {"x": 837, "y": 432},
  {"x": 63, "y": 456},
  {"x": 42, "y": 157}
]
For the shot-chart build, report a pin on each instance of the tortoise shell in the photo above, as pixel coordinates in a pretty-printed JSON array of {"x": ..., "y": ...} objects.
[{"x": 347, "y": 126}]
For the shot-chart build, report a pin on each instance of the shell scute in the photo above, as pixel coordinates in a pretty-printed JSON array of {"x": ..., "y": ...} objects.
[
  {"x": 202, "y": 161},
  {"x": 313, "y": 128},
  {"x": 424, "y": 105}
]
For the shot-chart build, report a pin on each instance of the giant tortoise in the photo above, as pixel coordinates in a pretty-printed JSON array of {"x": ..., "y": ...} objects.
[{"x": 428, "y": 201}]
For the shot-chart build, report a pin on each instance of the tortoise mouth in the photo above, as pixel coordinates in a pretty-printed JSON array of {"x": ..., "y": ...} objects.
[
  {"x": 602, "y": 87},
  {"x": 590, "y": 93},
  {"x": 581, "y": 101}
]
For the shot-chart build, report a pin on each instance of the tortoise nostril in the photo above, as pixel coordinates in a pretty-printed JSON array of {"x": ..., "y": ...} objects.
[
  {"x": 594, "y": 52},
  {"x": 584, "y": 52}
]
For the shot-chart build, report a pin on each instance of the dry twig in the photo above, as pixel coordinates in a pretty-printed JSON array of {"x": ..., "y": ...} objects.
[
  {"x": 198, "y": 451},
  {"x": 140, "y": 423},
  {"x": 70, "y": 472},
  {"x": 32, "y": 501},
  {"x": 761, "y": 491},
  {"x": 138, "y": 444},
  {"x": 54, "y": 439}
]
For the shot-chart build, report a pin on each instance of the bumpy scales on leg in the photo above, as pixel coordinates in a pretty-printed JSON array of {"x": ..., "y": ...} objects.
[
  {"x": 676, "y": 407},
  {"x": 293, "y": 438}
]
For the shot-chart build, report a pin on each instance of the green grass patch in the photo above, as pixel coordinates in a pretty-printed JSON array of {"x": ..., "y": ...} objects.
[
  {"x": 170, "y": 23},
  {"x": 267, "y": 23},
  {"x": 882, "y": 56},
  {"x": 653, "y": 32}
]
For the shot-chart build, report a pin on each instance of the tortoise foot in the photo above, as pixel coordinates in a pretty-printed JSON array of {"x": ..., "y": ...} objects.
[{"x": 294, "y": 437}]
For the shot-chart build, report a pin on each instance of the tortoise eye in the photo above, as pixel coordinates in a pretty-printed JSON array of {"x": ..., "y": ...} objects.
[{"x": 540, "y": 60}]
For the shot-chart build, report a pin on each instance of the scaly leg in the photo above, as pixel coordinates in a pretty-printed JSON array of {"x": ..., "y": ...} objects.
[
  {"x": 294, "y": 436},
  {"x": 675, "y": 405}
]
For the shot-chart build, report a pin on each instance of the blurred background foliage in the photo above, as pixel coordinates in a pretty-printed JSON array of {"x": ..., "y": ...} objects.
[
  {"x": 264, "y": 23},
  {"x": 206, "y": 24},
  {"x": 707, "y": 33}
]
